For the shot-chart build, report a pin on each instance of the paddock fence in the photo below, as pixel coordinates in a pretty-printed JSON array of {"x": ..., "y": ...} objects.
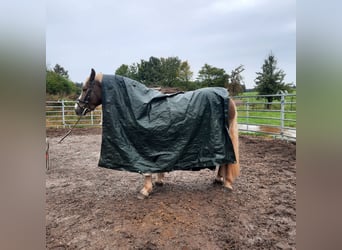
[
  {"x": 61, "y": 114},
  {"x": 256, "y": 115}
]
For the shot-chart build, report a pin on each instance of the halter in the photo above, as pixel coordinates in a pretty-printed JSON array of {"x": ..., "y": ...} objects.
[{"x": 84, "y": 104}]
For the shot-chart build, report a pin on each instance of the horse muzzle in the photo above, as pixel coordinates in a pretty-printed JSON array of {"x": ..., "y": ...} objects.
[{"x": 81, "y": 110}]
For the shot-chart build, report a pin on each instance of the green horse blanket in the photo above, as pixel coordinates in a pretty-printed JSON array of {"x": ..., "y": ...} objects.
[{"x": 146, "y": 131}]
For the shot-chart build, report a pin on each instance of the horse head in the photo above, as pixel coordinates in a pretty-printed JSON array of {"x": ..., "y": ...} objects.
[{"x": 91, "y": 95}]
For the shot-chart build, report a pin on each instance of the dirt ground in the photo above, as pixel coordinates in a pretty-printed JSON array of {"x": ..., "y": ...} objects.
[{"x": 88, "y": 207}]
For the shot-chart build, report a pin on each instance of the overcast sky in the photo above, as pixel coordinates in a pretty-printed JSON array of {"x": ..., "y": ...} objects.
[{"x": 81, "y": 34}]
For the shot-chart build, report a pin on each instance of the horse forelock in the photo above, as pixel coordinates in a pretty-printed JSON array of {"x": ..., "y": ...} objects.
[{"x": 98, "y": 77}]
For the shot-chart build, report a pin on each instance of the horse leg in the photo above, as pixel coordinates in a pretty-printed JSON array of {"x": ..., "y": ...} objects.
[
  {"x": 229, "y": 178},
  {"x": 220, "y": 174},
  {"x": 232, "y": 169},
  {"x": 160, "y": 177},
  {"x": 147, "y": 189}
]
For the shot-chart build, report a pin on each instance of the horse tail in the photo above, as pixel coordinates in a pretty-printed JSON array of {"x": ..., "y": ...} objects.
[{"x": 234, "y": 135}]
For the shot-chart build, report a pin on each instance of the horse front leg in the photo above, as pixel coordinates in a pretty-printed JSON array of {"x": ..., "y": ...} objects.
[
  {"x": 147, "y": 189},
  {"x": 226, "y": 175},
  {"x": 221, "y": 173},
  {"x": 230, "y": 176}
]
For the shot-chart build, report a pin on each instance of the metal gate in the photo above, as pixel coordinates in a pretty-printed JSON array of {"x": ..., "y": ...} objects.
[
  {"x": 255, "y": 115},
  {"x": 277, "y": 118}
]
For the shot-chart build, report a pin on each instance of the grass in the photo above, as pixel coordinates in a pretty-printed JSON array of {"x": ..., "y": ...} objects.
[
  {"x": 266, "y": 118},
  {"x": 258, "y": 114}
]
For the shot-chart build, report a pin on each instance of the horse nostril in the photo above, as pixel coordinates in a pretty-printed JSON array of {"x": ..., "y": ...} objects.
[{"x": 78, "y": 111}]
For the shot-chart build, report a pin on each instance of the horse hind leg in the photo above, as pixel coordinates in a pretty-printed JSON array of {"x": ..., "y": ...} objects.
[{"x": 160, "y": 179}]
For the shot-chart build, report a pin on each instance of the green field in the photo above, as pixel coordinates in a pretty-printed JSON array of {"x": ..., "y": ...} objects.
[{"x": 254, "y": 111}]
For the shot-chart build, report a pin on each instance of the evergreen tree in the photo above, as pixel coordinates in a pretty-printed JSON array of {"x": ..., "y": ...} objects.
[{"x": 271, "y": 80}]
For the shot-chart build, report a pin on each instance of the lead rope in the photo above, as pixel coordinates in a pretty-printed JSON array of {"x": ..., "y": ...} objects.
[{"x": 79, "y": 118}]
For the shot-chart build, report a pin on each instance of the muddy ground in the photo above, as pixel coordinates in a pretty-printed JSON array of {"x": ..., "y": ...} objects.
[{"x": 88, "y": 207}]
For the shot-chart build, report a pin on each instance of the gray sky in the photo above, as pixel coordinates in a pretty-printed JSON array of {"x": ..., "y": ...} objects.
[{"x": 81, "y": 34}]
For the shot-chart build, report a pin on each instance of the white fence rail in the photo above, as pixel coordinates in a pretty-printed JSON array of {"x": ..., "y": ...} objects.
[
  {"x": 276, "y": 118},
  {"x": 61, "y": 114}
]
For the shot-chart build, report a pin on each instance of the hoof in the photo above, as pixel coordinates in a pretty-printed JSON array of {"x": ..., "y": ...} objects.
[
  {"x": 217, "y": 182},
  {"x": 159, "y": 183},
  {"x": 228, "y": 187},
  {"x": 141, "y": 196}
]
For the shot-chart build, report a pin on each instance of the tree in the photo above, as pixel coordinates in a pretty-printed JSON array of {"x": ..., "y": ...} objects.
[
  {"x": 122, "y": 70},
  {"x": 210, "y": 76},
  {"x": 57, "y": 82},
  {"x": 58, "y": 69},
  {"x": 150, "y": 72},
  {"x": 185, "y": 74},
  {"x": 155, "y": 71},
  {"x": 271, "y": 80},
  {"x": 133, "y": 71},
  {"x": 170, "y": 71},
  {"x": 130, "y": 71},
  {"x": 235, "y": 85}
]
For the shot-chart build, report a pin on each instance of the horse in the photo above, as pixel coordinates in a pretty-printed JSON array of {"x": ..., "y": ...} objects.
[{"x": 91, "y": 97}]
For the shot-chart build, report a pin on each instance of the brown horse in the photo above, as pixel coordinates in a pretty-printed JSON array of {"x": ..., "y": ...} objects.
[{"x": 91, "y": 97}]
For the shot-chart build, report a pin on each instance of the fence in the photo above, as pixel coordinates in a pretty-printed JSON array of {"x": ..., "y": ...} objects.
[
  {"x": 276, "y": 118},
  {"x": 61, "y": 114}
]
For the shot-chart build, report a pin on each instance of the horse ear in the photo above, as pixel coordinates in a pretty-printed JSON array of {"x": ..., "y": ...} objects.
[{"x": 92, "y": 75}]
